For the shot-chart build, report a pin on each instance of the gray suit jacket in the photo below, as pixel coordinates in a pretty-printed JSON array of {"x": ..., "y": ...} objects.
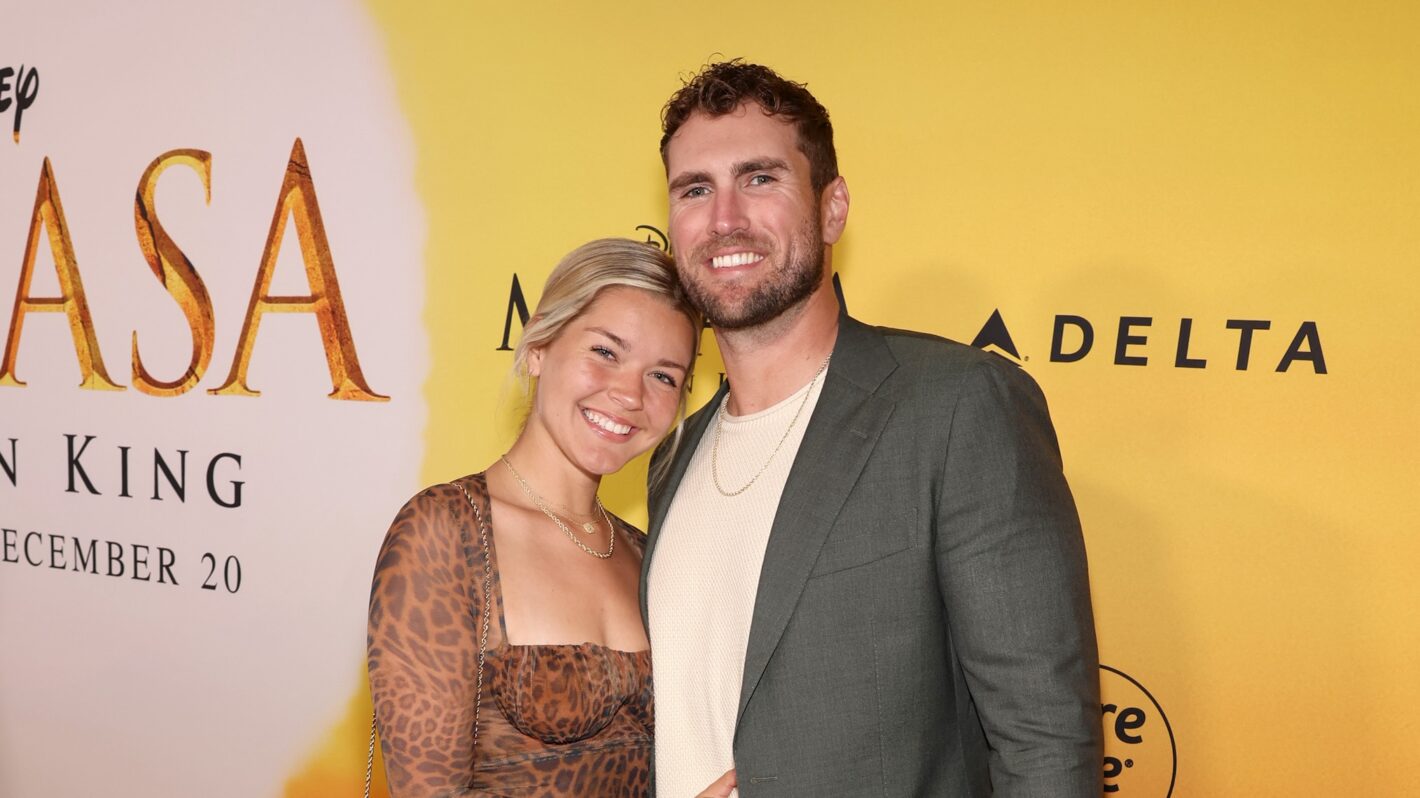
[{"x": 922, "y": 625}]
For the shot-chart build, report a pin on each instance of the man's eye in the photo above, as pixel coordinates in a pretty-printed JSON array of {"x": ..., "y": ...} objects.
[
  {"x": 696, "y": 191},
  {"x": 760, "y": 180}
]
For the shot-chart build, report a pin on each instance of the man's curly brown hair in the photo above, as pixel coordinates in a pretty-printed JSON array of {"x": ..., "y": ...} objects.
[{"x": 722, "y": 87}]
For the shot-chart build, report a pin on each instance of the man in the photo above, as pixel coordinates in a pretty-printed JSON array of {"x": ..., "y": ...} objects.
[{"x": 865, "y": 574}]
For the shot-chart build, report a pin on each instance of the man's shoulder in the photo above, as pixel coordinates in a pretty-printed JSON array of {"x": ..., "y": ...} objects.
[
  {"x": 931, "y": 373},
  {"x": 933, "y": 356}
]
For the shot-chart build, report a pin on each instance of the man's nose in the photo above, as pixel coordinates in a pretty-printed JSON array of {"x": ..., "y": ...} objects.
[{"x": 729, "y": 213}]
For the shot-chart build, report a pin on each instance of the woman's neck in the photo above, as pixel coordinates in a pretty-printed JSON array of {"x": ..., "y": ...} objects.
[{"x": 547, "y": 472}]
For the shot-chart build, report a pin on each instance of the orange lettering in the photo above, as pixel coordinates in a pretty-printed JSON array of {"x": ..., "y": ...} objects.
[
  {"x": 298, "y": 200},
  {"x": 49, "y": 214},
  {"x": 175, "y": 272}
]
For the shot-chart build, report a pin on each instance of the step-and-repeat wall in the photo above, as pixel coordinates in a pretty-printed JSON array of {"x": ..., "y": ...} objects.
[{"x": 261, "y": 265}]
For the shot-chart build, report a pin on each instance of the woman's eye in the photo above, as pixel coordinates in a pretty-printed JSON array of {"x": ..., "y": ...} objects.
[
  {"x": 603, "y": 351},
  {"x": 666, "y": 378}
]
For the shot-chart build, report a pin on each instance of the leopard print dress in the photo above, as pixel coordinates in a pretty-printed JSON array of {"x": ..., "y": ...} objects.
[{"x": 556, "y": 720}]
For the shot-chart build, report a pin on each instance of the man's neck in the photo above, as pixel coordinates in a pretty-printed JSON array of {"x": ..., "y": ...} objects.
[{"x": 768, "y": 363}]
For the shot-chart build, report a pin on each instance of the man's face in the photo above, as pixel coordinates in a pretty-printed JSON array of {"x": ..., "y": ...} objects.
[{"x": 744, "y": 219}]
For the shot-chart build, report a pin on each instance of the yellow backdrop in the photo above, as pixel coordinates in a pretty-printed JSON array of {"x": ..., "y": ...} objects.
[{"x": 1251, "y": 532}]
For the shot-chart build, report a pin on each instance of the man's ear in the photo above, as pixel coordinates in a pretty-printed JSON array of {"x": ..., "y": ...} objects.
[{"x": 833, "y": 210}]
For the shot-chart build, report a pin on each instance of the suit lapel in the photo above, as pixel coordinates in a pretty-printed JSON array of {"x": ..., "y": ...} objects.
[
  {"x": 842, "y": 432},
  {"x": 659, "y": 502}
]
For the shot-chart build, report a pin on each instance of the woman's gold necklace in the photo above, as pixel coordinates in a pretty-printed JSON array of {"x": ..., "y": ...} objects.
[
  {"x": 586, "y": 527},
  {"x": 590, "y": 526}
]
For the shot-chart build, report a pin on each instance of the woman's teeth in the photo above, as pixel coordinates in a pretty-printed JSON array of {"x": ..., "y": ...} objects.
[{"x": 606, "y": 423}]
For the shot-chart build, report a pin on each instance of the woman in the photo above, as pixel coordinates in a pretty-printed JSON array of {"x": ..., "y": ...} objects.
[{"x": 506, "y": 650}]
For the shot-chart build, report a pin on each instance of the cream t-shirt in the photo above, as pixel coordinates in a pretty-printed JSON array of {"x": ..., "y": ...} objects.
[{"x": 702, "y": 584}]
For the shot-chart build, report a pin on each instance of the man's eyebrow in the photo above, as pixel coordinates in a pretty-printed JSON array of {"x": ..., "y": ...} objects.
[
  {"x": 740, "y": 169},
  {"x": 761, "y": 165},
  {"x": 613, "y": 336},
  {"x": 688, "y": 178}
]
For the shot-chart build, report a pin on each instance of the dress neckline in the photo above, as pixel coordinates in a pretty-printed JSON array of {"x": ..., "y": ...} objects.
[{"x": 480, "y": 483}]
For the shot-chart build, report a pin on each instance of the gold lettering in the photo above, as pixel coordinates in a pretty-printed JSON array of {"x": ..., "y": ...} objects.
[
  {"x": 49, "y": 214},
  {"x": 298, "y": 199},
  {"x": 175, "y": 272}
]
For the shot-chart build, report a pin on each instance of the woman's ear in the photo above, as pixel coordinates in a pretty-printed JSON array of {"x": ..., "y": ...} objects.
[{"x": 533, "y": 359}]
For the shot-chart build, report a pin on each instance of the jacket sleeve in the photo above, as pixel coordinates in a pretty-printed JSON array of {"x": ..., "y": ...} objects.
[{"x": 1011, "y": 565}]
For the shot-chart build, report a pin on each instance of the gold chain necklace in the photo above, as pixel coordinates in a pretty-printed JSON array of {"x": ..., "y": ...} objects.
[
  {"x": 587, "y": 527},
  {"x": 720, "y": 423},
  {"x": 547, "y": 511}
]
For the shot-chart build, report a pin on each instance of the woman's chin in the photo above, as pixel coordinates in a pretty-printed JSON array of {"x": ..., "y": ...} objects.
[{"x": 600, "y": 465}]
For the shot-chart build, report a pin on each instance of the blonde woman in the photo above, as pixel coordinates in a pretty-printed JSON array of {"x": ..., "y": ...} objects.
[{"x": 507, "y": 654}]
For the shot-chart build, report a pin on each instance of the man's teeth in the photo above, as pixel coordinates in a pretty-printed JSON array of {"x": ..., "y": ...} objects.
[
  {"x": 606, "y": 423},
  {"x": 737, "y": 259}
]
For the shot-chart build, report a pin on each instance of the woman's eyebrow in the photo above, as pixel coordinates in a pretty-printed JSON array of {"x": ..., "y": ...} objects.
[{"x": 616, "y": 339}]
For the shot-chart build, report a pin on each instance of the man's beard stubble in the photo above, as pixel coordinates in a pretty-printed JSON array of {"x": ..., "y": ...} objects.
[{"x": 794, "y": 281}]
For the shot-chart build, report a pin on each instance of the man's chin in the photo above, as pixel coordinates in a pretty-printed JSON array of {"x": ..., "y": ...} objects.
[
  {"x": 747, "y": 315},
  {"x": 748, "y": 306},
  {"x": 726, "y": 314}
]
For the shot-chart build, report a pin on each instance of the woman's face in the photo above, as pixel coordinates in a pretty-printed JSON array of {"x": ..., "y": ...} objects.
[{"x": 610, "y": 384}]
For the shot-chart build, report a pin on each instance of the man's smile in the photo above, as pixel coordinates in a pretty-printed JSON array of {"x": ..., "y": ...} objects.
[{"x": 735, "y": 259}]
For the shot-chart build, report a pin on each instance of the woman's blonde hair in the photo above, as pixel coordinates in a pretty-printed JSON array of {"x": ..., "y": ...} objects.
[{"x": 580, "y": 278}]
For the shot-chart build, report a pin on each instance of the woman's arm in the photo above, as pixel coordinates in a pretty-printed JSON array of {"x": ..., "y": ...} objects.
[{"x": 426, "y": 606}]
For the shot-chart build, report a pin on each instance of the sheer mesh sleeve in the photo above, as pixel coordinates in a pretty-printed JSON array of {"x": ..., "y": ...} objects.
[{"x": 426, "y": 606}]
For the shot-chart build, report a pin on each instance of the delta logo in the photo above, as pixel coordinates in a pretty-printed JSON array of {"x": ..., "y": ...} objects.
[{"x": 1145, "y": 341}]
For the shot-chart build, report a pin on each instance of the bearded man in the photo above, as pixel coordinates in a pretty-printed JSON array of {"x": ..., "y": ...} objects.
[{"x": 865, "y": 573}]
